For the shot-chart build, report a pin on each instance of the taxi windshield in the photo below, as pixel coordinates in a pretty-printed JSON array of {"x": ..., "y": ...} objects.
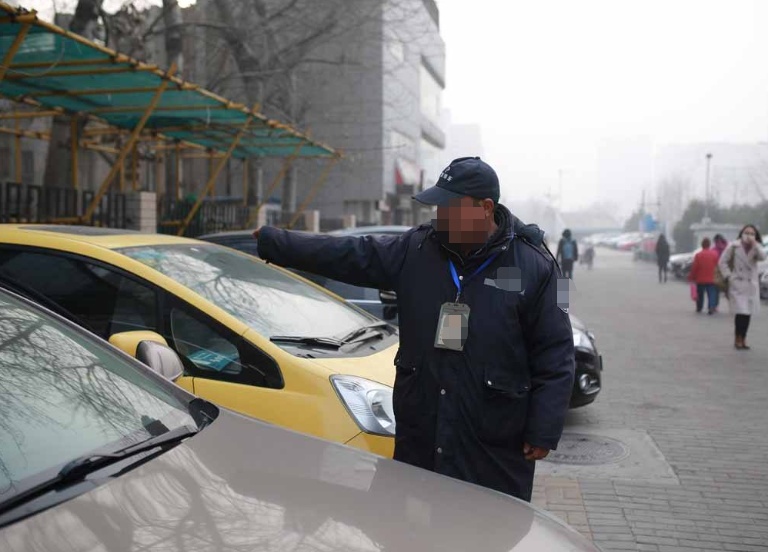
[{"x": 269, "y": 300}]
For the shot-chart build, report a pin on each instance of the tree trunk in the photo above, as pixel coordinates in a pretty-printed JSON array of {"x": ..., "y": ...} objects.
[
  {"x": 172, "y": 21},
  {"x": 58, "y": 165},
  {"x": 248, "y": 65}
]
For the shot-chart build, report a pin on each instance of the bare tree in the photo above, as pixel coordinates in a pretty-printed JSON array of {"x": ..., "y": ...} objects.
[
  {"x": 258, "y": 52},
  {"x": 273, "y": 45},
  {"x": 58, "y": 166}
]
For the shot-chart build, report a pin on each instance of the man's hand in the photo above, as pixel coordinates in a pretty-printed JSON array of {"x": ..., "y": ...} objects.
[{"x": 534, "y": 453}]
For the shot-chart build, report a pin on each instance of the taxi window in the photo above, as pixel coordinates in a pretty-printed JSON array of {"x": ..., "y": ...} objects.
[{"x": 103, "y": 300}]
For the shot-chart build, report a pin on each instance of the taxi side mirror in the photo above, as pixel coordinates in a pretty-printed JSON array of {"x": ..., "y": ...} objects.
[{"x": 151, "y": 349}]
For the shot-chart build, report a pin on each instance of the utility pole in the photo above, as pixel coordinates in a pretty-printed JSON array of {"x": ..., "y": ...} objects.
[{"x": 706, "y": 198}]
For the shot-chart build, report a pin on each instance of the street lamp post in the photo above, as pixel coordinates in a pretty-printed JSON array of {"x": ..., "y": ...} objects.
[{"x": 706, "y": 199}]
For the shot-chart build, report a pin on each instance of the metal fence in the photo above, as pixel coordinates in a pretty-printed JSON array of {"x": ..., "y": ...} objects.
[
  {"x": 214, "y": 215},
  {"x": 21, "y": 203}
]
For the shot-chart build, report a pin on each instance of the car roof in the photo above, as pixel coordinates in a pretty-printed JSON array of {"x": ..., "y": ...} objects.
[
  {"x": 108, "y": 238},
  {"x": 228, "y": 234},
  {"x": 357, "y": 231},
  {"x": 366, "y": 230}
]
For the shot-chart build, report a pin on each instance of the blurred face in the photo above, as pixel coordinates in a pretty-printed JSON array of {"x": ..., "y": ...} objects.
[
  {"x": 466, "y": 220},
  {"x": 749, "y": 235}
]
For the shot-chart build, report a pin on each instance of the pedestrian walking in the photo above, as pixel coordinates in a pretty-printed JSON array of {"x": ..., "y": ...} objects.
[
  {"x": 567, "y": 253},
  {"x": 486, "y": 360},
  {"x": 589, "y": 256},
  {"x": 662, "y": 256},
  {"x": 719, "y": 245},
  {"x": 738, "y": 265},
  {"x": 703, "y": 275}
]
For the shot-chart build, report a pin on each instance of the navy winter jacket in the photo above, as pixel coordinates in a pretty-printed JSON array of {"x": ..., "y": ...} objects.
[{"x": 464, "y": 414}]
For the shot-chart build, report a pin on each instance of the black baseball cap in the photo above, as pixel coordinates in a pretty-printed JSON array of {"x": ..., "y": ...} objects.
[{"x": 464, "y": 177}]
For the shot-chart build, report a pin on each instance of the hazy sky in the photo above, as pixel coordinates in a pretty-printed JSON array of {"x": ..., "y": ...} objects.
[{"x": 550, "y": 80}]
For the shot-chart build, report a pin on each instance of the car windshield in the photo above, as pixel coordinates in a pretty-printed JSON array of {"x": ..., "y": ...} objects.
[
  {"x": 63, "y": 395},
  {"x": 269, "y": 300}
]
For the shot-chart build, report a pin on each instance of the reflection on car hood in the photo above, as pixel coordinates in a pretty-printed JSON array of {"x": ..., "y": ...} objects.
[{"x": 242, "y": 485}]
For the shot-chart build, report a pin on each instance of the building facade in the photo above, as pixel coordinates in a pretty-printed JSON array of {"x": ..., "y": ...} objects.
[
  {"x": 370, "y": 86},
  {"x": 383, "y": 108}
]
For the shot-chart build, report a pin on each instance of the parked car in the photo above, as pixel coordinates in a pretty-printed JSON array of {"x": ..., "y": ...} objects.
[
  {"x": 680, "y": 264},
  {"x": 629, "y": 242},
  {"x": 253, "y": 337},
  {"x": 383, "y": 303},
  {"x": 763, "y": 276},
  {"x": 101, "y": 452},
  {"x": 764, "y": 285}
]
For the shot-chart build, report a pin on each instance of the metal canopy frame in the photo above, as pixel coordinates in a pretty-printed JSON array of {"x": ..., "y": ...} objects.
[{"x": 53, "y": 72}]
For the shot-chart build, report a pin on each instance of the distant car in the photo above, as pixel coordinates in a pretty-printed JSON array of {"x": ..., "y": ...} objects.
[
  {"x": 101, "y": 452},
  {"x": 629, "y": 242},
  {"x": 383, "y": 304},
  {"x": 762, "y": 269}
]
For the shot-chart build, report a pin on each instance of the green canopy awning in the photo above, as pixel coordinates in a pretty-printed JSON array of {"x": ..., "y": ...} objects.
[{"x": 51, "y": 68}]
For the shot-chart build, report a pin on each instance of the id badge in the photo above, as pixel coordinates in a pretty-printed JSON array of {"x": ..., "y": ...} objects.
[{"x": 452, "y": 326}]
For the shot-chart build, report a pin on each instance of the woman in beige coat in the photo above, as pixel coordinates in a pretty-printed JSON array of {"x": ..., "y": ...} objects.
[{"x": 738, "y": 264}]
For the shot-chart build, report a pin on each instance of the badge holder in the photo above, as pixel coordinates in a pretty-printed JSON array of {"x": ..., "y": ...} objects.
[
  {"x": 453, "y": 323},
  {"x": 452, "y": 326}
]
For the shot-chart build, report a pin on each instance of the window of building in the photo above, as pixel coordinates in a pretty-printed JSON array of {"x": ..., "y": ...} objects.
[
  {"x": 431, "y": 160},
  {"x": 397, "y": 49},
  {"x": 431, "y": 95},
  {"x": 402, "y": 145}
]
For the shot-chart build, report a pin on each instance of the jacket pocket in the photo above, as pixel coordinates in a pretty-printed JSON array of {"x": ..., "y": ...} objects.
[
  {"x": 504, "y": 406},
  {"x": 408, "y": 394}
]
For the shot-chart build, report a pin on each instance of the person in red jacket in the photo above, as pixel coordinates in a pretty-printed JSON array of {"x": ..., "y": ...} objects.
[{"x": 703, "y": 275}]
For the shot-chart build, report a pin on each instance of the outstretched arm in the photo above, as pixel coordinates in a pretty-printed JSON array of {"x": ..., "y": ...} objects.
[{"x": 362, "y": 261}]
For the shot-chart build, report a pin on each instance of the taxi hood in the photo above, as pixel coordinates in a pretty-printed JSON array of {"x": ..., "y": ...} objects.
[{"x": 379, "y": 367}]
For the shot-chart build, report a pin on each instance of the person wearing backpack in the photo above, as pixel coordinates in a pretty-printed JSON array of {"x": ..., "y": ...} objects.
[{"x": 567, "y": 253}]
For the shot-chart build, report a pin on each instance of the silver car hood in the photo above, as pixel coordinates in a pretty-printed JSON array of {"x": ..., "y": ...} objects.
[{"x": 242, "y": 485}]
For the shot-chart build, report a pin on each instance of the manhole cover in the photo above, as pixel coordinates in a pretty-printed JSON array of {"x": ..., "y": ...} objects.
[{"x": 583, "y": 449}]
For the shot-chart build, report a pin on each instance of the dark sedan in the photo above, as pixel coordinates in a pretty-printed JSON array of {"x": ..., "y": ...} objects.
[{"x": 383, "y": 304}]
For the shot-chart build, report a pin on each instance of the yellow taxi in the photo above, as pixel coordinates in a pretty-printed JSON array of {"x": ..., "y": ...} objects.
[{"x": 253, "y": 337}]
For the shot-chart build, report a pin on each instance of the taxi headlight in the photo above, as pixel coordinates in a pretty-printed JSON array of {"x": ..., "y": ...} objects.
[{"x": 368, "y": 402}]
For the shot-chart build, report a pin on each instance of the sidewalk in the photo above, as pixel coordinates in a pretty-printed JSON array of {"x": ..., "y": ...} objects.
[{"x": 692, "y": 411}]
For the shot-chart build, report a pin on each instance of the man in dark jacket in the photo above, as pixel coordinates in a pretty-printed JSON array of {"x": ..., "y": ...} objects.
[
  {"x": 662, "y": 256},
  {"x": 486, "y": 359}
]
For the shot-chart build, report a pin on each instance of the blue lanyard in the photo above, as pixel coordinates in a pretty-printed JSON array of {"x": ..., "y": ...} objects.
[{"x": 460, "y": 282}]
